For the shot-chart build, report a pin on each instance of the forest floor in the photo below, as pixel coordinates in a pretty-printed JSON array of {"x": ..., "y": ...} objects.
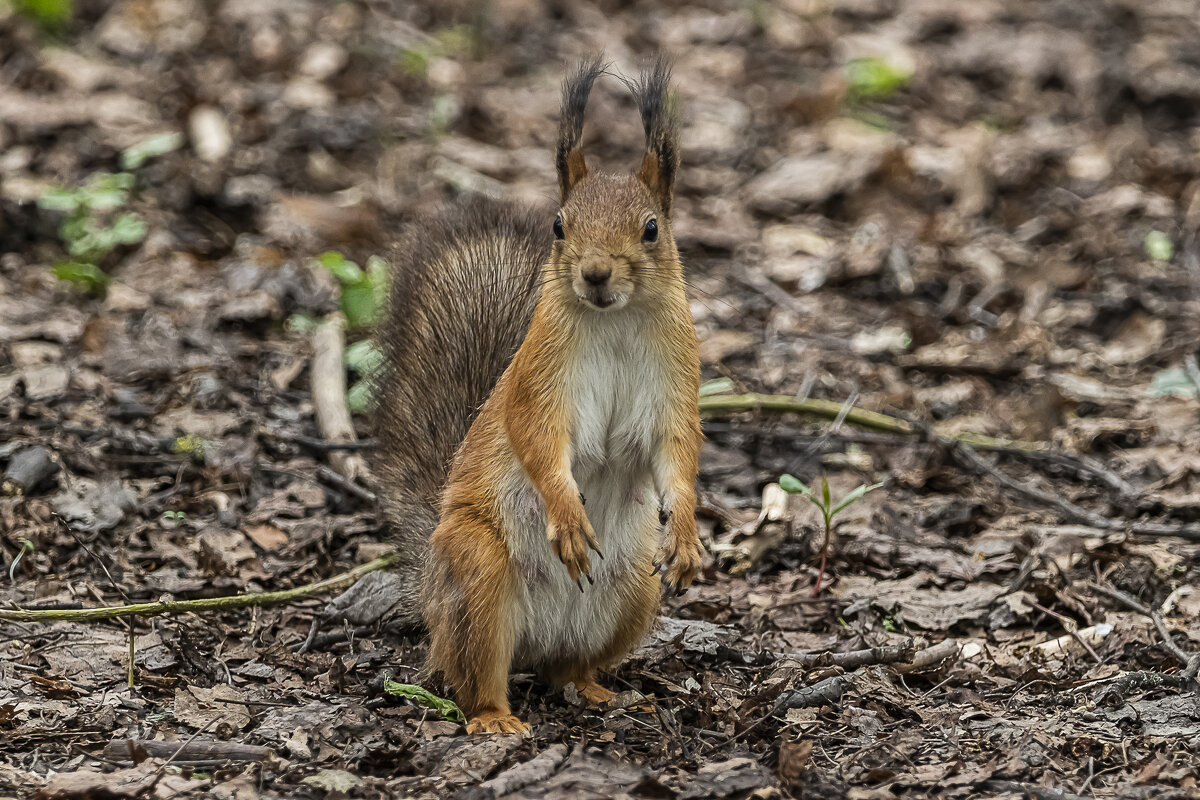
[{"x": 973, "y": 217}]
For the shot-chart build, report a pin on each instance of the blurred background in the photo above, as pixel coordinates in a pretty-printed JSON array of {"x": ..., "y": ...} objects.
[{"x": 981, "y": 215}]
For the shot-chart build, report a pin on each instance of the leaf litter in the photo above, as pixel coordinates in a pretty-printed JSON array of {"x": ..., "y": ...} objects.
[{"x": 977, "y": 217}]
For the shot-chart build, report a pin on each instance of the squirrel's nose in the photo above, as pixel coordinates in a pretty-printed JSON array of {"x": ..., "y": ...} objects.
[{"x": 597, "y": 277}]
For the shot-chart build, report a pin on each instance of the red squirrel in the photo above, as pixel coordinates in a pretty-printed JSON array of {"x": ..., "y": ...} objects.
[{"x": 574, "y": 485}]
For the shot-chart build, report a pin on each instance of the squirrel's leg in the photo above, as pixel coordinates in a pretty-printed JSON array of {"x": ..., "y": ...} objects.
[
  {"x": 674, "y": 470},
  {"x": 472, "y": 614},
  {"x": 637, "y": 603}
]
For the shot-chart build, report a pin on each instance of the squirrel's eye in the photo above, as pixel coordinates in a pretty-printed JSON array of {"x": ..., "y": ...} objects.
[
  {"x": 558, "y": 231},
  {"x": 650, "y": 232}
]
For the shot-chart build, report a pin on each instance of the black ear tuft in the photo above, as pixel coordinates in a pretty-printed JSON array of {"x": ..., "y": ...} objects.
[
  {"x": 652, "y": 91},
  {"x": 568, "y": 157}
]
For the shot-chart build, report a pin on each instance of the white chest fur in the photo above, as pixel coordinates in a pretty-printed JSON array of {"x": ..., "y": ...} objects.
[{"x": 615, "y": 393}]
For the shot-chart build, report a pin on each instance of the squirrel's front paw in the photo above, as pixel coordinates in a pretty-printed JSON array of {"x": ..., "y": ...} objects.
[
  {"x": 571, "y": 541},
  {"x": 680, "y": 558}
]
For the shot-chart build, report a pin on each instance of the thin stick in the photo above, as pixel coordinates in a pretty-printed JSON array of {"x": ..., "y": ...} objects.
[
  {"x": 228, "y": 603},
  {"x": 328, "y": 379},
  {"x": 1190, "y": 664}
]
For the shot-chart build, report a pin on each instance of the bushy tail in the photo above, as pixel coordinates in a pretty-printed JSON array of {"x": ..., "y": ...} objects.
[{"x": 464, "y": 285}]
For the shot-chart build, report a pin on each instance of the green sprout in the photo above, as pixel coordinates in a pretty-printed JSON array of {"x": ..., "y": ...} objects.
[
  {"x": 872, "y": 77},
  {"x": 51, "y": 15},
  {"x": 829, "y": 509},
  {"x": 364, "y": 292},
  {"x": 93, "y": 224},
  {"x": 26, "y": 547}
]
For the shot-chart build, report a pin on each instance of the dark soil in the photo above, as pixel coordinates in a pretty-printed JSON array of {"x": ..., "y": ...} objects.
[{"x": 978, "y": 217}]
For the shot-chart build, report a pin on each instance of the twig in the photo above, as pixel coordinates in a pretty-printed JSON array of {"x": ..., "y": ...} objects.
[
  {"x": 887, "y": 654},
  {"x": 228, "y": 603},
  {"x": 830, "y": 689},
  {"x": 714, "y": 405},
  {"x": 931, "y": 656},
  {"x": 1190, "y": 664},
  {"x": 187, "y": 751},
  {"x": 347, "y": 485},
  {"x": 1037, "y": 452},
  {"x": 964, "y": 453},
  {"x": 328, "y": 379}
]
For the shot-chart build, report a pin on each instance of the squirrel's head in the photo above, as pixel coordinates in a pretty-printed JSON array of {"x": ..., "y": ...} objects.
[{"x": 613, "y": 238}]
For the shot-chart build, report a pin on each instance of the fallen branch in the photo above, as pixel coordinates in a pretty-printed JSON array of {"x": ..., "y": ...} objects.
[
  {"x": 964, "y": 453},
  {"x": 1036, "y": 452},
  {"x": 134, "y": 750},
  {"x": 328, "y": 379},
  {"x": 1189, "y": 664},
  {"x": 887, "y": 654},
  {"x": 859, "y": 417},
  {"x": 228, "y": 603}
]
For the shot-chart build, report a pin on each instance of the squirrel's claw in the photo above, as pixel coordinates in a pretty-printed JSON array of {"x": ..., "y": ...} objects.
[{"x": 679, "y": 563}]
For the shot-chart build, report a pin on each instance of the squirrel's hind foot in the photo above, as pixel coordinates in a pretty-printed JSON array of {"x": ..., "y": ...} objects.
[
  {"x": 593, "y": 692},
  {"x": 493, "y": 722}
]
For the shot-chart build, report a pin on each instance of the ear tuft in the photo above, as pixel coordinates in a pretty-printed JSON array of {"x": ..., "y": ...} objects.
[
  {"x": 568, "y": 157},
  {"x": 652, "y": 91}
]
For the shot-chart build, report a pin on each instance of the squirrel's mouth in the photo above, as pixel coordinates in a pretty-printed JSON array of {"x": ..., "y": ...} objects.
[{"x": 602, "y": 299}]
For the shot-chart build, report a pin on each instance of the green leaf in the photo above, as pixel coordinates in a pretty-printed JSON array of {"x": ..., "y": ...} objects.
[
  {"x": 377, "y": 274},
  {"x": 50, "y": 14},
  {"x": 793, "y": 485},
  {"x": 1173, "y": 383},
  {"x": 358, "y": 304},
  {"x": 361, "y": 396},
  {"x": 127, "y": 228},
  {"x": 1158, "y": 246},
  {"x": 873, "y": 77},
  {"x": 853, "y": 496},
  {"x": 825, "y": 490},
  {"x": 86, "y": 276},
  {"x": 421, "y": 696},
  {"x": 345, "y": 271},
  {"x": 364, "y": 357},
  {"x": 60, "y": 199},
  {"x": 301, "y": 323},
  {"x": 133, "y": 158},
  {"x": 716, "y": 386},
  {"x": 104, "y": 191}
]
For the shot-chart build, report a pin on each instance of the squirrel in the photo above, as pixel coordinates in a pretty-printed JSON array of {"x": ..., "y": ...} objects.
[{"x": 554, "y": 369}]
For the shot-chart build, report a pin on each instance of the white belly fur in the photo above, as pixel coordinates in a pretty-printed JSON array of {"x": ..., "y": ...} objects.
[{"x": 615, "y": 391}]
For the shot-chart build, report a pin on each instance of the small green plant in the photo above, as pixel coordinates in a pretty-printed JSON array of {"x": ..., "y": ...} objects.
[
  {"x": 87, "y": 229},
  {"x": 191, "y": 445},
  {"x": 26, "y": 547},
  {"x": 364, "y": 359},
  {"x": 173, "y": 519},
  {"x": 51, "y": 15},
  {"x": 422, "y": 696},
  {"x": 829, "y": 509},
  {"x": 871, "y": 78},
  {"x": 93, "y": 224},
  {"x": 364, "y": 291}
]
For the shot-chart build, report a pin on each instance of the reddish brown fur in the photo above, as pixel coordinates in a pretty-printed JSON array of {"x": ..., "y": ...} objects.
[{"x": 471, "y": 587}]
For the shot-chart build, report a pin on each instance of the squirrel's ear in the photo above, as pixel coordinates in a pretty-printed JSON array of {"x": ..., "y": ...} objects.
[
  {"x": 568, "y": 157},
  {"x": 661, "y": 162}
]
